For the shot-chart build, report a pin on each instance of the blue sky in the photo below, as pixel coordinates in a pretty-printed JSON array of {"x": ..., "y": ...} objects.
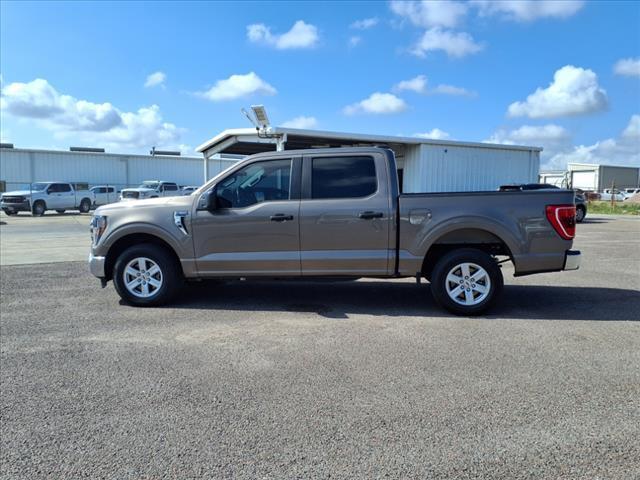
[{"x": 562, "y": 75}]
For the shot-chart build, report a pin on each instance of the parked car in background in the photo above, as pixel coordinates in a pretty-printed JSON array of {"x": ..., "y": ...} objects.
[
  {"x": 151, "y": 189},
  {"x": 630, "y": 192},
  {"x": 103, "y": 194},
  {"x": 188, "y": 189},
  {"x": 43, "y": 196},
  {"x": 579, "y": 197},
  {"x": 608, "y": 193},
  {"x": 334, "y": 212}
]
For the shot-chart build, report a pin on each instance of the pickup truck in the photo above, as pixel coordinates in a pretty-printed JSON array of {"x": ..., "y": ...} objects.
[
  {"x": 103, "y": 194},
  {"x": 43, "y": 196},
  {"x": 150, "y": 189},
  {"x": 331, "y": 213}
]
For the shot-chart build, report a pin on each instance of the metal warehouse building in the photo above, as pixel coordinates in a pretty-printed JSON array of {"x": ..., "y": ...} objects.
[
  {"x": 425, "y": 165},
  {"x": 19, "y": 167}
]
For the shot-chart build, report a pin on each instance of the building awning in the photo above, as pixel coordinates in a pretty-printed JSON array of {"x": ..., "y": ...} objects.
[{"x": 247, "y": 141}]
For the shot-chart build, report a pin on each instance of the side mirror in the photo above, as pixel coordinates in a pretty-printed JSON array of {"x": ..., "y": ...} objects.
[{"x": 212, "y": 200}]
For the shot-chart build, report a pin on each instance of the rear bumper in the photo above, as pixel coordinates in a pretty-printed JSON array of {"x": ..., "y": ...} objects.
[
  {"x": 96, "y": 265},
  {"x": 572, "y": 260}
]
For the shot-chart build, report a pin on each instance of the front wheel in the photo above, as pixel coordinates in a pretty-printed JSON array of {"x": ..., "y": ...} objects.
[
  {"x": 38, "y": 209},
  {"x": 466, "y": 281},
  {"x": 9, "y": 212},
  {"x": 85, "y": 205},
  {"x": 147, "y": 275}
]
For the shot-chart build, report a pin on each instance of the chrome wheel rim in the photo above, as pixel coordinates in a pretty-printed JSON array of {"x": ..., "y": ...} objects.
[
  {"x": 468, "y": 284},
  {"x": 142, "y": 277}
]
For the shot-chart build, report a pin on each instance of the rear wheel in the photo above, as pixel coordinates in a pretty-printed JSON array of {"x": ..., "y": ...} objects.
[
  {"x": 147, "y": 275},
  {"x": 85, "y": 205},
  {"x": 581, "y": 212},
  {"x": 38, "y": 209},
  {"x": 466, "y": 281}
]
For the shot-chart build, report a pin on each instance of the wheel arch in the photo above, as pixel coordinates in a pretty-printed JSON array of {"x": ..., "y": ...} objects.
[
  {"x": 475, "y": 237},
  {"x": 131, "y": 239}
]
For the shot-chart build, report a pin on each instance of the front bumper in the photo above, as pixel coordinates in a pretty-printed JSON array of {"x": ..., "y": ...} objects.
[
  {"x": 572, "y": 260},
  {"x": 16, "y": 207},
  {"x": 96, "y": 266}
]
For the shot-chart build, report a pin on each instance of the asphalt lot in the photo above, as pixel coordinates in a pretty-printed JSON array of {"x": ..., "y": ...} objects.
[{"x": 364, "y": 379}]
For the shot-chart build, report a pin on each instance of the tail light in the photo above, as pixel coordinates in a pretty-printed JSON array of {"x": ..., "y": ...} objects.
[{"x": 563, "y": 220}]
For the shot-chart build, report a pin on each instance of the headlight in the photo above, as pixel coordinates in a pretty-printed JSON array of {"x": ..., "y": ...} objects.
[{"x": 98, "y": 226}]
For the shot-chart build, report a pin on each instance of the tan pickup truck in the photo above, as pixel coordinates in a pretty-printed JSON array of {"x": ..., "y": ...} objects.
[{"x": 331, "y": 213}]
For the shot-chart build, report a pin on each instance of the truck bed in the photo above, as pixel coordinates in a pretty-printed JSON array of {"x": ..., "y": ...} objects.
[{"x": 516, "y": 220}]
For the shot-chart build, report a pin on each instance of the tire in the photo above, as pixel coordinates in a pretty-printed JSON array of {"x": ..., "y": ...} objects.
[
  {"x": 85, "y": 205},
  {"x": 38, "y": 209},
  {"x": 170, "y": 278},
  {"x": 60, "y": 211},
  {"x": 474, "y": 300},
  {"x": 581, "y": 212},
  {"x": 9, "y": 212}
]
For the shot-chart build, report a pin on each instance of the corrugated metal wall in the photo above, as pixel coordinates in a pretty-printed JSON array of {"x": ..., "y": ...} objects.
[
  {"x": 439, "y": 168},
  {"x": 20, "y": 167}
]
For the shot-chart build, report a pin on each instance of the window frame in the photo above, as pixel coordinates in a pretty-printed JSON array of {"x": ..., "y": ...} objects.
[
  {"x": 294, "y": 182},
  {"x": 307, "y": 175}
]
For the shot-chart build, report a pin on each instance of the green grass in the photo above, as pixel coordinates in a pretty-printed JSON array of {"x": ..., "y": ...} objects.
[{"x": 619, "y": 208}]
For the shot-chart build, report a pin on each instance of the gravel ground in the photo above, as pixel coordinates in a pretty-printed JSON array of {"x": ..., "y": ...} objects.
[{"x": 364, "y": 379}]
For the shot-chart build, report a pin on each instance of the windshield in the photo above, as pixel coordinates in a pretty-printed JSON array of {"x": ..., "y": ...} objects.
[
  {"x": 152, "y": 185},
  {"x": 38, "y": 186}
]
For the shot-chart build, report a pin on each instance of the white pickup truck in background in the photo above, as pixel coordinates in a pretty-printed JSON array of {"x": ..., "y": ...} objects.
[
  {"x": 43, "y": 196},
  {"x": 104, "y": 194},
  {"x": 151, "y": 189}
]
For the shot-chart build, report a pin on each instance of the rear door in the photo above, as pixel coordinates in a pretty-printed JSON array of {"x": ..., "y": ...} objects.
[
  {"x": 255, "y": 229},
  {"x": 345, "y": 215},
  {"x": 60, "y": 196},
  {"x": 169, "y": 189}
]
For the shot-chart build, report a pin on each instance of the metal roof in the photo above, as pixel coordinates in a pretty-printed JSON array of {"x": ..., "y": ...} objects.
[{"x": 246, "y": 141}]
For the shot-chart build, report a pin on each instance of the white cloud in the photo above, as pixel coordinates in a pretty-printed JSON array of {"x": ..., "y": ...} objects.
[
  {"x": 629, "y": 67},
  {"x": 238, "y": 86},
  {"x": 430, "y": 13},
  {"x": 354, "y": 41},
  {"x": 444, "y": 89},
  {"x": 301, "y": 35},
  {"x": 434, "y": 134},
  {"x": 155, "y": 79},
  {"x": 417, "y": 84},
  {"x": 377, "y": 103},
  {"x": 551, "y": 137},
  {"x": 101, "y": 123},
  {"x": 364, "y": 24},
  {"x": 301, "y": 122},
  {"x": 528, "y": 10},
  {"x": 574, "y": 91},
  {"x": 454, "y": 44},
  {"x": 633, "y": 129}
]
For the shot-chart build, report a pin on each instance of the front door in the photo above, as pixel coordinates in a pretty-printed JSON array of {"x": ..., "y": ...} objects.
[
  {"x": 254, "y": 229},
  {"x": 346, "y": 215}
]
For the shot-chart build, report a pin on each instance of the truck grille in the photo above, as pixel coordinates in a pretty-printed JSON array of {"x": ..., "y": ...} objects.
[
  {"x": 13, "y": 199},
  {"x": 130, "y": 194}
]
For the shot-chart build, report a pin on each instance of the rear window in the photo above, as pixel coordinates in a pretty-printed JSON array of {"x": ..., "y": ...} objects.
[{"x": 343, "y": 177}]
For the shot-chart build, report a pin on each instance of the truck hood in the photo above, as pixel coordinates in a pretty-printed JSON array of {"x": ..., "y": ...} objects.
[
  {"x": 19, "y": 193},
  {"x": 182, "y": 202}
]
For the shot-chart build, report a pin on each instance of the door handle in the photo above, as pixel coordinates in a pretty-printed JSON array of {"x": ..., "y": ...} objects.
[
  {"x": 281, "y": 217},
  {"x": 368, "y": 215}
]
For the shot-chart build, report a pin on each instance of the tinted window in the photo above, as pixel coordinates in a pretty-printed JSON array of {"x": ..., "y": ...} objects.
[
  {"x": 63, "y": 187},
  {"x": 343, "y": 177},
  {"x": 256, "y": 183},
  {"x": 170, "y": 186}
]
